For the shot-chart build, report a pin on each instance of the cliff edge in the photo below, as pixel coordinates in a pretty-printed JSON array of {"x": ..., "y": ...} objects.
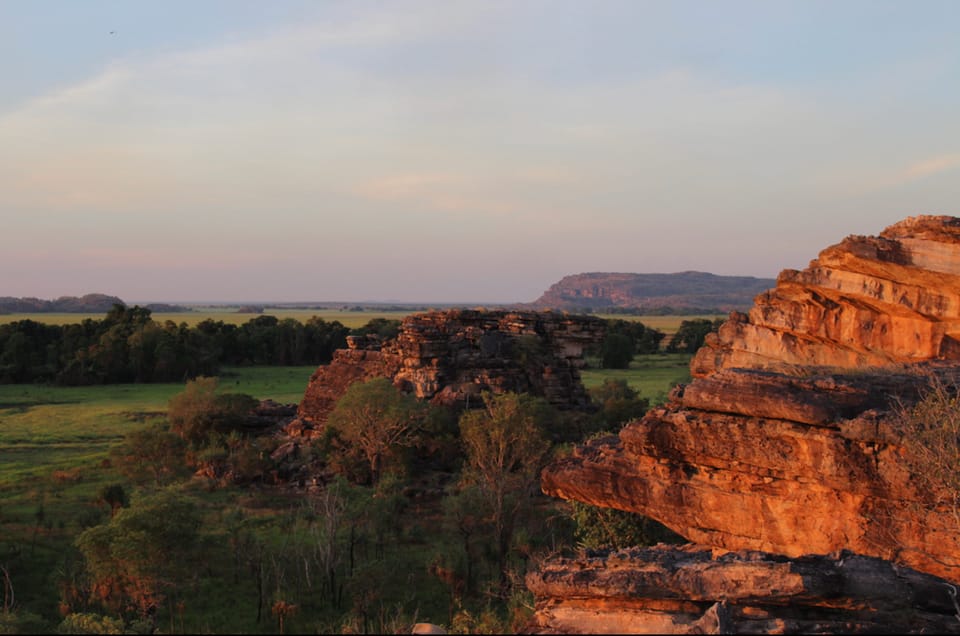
[{"x": 785, "y": 442}]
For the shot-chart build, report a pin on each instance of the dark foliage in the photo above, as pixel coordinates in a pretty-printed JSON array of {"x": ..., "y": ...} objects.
[
  {"x": 384, "y": 328},
  {"x": 129, "y": 346},
  {"x": 691, "y": 335}
]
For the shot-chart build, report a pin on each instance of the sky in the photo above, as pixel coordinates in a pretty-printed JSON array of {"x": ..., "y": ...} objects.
[{"x": 457, "y": 150}]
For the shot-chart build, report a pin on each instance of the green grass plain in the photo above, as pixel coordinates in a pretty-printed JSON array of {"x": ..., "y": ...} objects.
[
  {"x": 653, "y": 375},
  {"x": 667, "y": 324}
]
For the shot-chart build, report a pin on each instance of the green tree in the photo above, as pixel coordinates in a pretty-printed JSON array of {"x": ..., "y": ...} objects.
[
  {"x": 463, "y": 514},
  {"x": 378, "y": 419},
  {"x": 323, "y": 338},
  {"x": 114, "y": 496},
  {"x": 384, "y": 328},
  {"x": 506, "y": 447},
  {"x": 691, "y": 334},
  {"x": 198, "y": 411},
  {"x": 152, "y": 453},
  {"x": 618, "y": 403},
  {"x": 145, "y": 554},
  {"x": 616, "y": 351},
  {"x": 645, "y": 339}
]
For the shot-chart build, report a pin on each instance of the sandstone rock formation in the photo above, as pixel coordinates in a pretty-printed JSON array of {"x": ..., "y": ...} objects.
[
  {"x": 695, "y": 590},
  {"x": 450, "y": 357},
  {"x": 868, "y": 301},
  {"x": 785, "y": 440}
]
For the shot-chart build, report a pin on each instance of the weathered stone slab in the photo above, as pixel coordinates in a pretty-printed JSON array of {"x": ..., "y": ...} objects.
[{"x": 693, "y": 589}]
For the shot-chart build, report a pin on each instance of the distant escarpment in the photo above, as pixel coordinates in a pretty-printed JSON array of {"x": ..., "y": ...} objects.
[
  {"x": 451, "y": 357},
  {"x": 688, "y": 292},
  {"x": 786, "y": 445},
  {"x": 87, "y": 304}
]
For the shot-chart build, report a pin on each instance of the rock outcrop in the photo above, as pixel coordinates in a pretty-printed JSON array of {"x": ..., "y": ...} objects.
[
  {"x": 695, "y": 590},
  {"x": 451, "y": 357},
  {"x": 785, "y": 441},
  {"x": 868, "y": 301}
]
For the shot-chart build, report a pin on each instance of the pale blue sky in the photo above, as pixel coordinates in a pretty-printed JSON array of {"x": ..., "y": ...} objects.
[{"x": 457, "y": 151}]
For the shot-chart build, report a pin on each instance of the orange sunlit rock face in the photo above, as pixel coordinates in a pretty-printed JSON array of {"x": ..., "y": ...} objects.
[
  {"x": 689, "y": 590},
  {"x": 783, "y": 442},
  {"x": 868, "y": 301}
]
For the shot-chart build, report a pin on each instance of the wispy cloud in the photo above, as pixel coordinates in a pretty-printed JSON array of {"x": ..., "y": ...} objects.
[
  {"x": 929, "y": 167},
  {"x": 874, "y": 175},
  {"x": 436, "y": 125}
]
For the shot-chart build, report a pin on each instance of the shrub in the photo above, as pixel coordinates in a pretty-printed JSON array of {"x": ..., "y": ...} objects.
[
  {"x": 930, "y": 433},
  {"x": 616, "y": 529},
  {"x": 618, "y": 403},
  {"x": 199, "y": 410}
]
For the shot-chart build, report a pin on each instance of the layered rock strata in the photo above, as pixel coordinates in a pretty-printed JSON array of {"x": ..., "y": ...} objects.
[
  {"x": 694, "y": 590},
  {"x": 786, "y": 440},
  {"x": 868, "y": 301},
  {"x": 451, "y": 357}
]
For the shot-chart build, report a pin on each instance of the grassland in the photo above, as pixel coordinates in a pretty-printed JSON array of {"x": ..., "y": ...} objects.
[
  {"x": 55, "y": 445},
  {"x": 43, "y": 428},
  {"x": 667, "y": 324},
  {"x": 652, "y": 375}
]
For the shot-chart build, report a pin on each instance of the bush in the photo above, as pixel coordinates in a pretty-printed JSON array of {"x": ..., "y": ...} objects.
[
  {"x": 930, "y": 433},
  {"x": 152, "y": 453},
  {"x": 618, "y": 402},
  {"x": 616, "y": 529},
  {"x": 21, "y": 622},
  {"x": 199, "y": 410},
  {"x": 87, "y": 623}
]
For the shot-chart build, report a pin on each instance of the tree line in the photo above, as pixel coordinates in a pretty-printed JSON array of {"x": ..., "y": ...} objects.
[
  {"x": 128, "y": 345},
  {"x": 626, "y": 338}
]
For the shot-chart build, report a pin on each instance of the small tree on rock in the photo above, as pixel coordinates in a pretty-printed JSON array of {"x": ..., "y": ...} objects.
[{"x": 379, "y": 419}]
